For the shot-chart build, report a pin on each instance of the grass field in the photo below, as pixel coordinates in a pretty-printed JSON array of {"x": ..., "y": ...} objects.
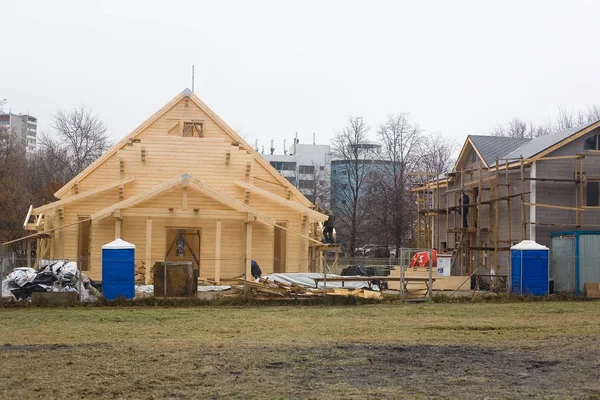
[{"x": 514, "y": 350}]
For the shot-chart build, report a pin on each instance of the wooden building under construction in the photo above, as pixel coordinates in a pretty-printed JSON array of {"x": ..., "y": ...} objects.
[
  {"x": 504, "y": 190},
  {"x": 182, "y": 187}
]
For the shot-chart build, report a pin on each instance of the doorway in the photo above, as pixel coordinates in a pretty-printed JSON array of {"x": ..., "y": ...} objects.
[
  {"x": 183, "y": 244},
  {"x": 280, "y": 248},
  {"x": 83, "y": 243}
]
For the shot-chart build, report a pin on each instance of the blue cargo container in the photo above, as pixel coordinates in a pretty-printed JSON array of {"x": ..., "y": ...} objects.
[
  {"x": 118, "y": 270},
  {"x": 529, "y": 268}
]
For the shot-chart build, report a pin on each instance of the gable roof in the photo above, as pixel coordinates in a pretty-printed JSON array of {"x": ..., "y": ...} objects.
[
  {"x": 211, "y": 114},
  {"x": 492, "y": 147}
]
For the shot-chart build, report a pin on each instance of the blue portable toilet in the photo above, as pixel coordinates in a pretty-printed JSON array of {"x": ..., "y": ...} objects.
[
  {"x": 529, "y": 268},
  {"x": 118, "y": 270}
]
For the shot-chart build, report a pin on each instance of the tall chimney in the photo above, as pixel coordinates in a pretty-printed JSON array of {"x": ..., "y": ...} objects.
[
  {"x": 284, "y": 148},
  {"x": 313, "y": 138},
  {"x": 272, "y": 148}
]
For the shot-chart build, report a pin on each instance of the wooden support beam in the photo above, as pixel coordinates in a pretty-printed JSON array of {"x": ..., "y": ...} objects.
[
  {"x": 218, "y": 252},
  {"x": 553, "y": 206},
  {"x": 248, "y": 266},
  {"x": 185, "y": 183},
  {"x": 194, "y": 214},
  {"x": 27, "y": 217},
  {"x": 148, "y": 260},
  {"x": 315, "y": 215},
  {"x": 83, "y": 195},
  {"x": 29, "y": 253}
]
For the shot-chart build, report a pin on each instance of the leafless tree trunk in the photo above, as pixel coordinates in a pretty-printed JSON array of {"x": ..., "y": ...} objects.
[
  {"x": 401, "y": 141},
  {"x": 353, "y": 155}
]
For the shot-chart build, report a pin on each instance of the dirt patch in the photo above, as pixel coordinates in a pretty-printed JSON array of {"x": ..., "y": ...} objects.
[
  {"x": 554, "y": 369},
  {"x": 7, "y": 347}
]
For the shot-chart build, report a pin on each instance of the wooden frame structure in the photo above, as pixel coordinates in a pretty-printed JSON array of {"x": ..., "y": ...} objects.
[
  {"x": 185, "y": 168},
  {"x": 512, "y": 199}
]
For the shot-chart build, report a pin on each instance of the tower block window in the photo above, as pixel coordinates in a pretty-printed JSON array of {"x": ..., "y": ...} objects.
[{"x": 193, "y": 128}]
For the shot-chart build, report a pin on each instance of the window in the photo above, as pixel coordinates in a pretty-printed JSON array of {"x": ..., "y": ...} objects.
[
  {"x": 344, "y": 186},
  {"x": 321, "y": 183},
  {"x": 284, "y": 165},
  {"x": 307, "y": 169},
  {"x": 592, "y": 194},
  {"x": 310, "y": 197},
  {"x": 306, "y": 184},
  {"x": 193, "y": 128},
  {"x": 291, "y": 179},
  {"x": 322, "y": 168},
  {"x": 591, "y": 143}
]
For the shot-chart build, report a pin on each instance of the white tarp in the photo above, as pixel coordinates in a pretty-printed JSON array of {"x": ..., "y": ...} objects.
[
  {"x": 150, "y": 288},
  {"x": 305, "y": 279}
]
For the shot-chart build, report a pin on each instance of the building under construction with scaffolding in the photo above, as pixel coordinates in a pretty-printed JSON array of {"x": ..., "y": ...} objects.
[{"x": 503, "y": 190}]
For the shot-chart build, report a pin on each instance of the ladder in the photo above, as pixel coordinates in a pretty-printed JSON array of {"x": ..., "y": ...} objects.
[{"x": 456, "y": 252}]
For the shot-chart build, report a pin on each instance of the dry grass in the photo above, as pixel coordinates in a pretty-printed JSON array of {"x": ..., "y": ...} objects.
[{"x": 301, "y": 352}]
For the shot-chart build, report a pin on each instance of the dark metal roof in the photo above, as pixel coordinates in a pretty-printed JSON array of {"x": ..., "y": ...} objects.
[
  {"x": 493, "y": 147},
  {"x": 541, "y": 143}
]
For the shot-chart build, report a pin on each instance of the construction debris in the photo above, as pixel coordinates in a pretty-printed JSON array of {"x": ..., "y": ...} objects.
[
  {"x": 302, "y": 285},
  {"x": 53, "y": 276}
]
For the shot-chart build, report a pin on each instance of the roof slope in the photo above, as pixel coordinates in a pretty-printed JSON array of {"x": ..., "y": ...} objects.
[
  {"x": 493, "y": 147},
  {"x": 541, "y": 143}
]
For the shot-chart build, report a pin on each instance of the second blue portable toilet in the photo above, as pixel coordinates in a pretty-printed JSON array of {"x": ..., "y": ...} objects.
[
  {"x": 118, "y": 270},
  {"x": 529, "y": 268}
]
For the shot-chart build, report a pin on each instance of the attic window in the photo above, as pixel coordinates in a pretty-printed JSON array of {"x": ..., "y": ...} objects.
[
  {"x": 592, "y": 143},
  {"x": 193, "y": 128}
]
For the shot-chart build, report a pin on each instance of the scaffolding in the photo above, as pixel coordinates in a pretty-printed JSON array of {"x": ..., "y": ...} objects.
[{"x": 507, "y": 184}]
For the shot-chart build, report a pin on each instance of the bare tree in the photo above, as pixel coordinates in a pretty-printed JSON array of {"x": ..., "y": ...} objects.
[
  {"x": 14, "y": 198},
  {"x": 80, "y": 138},
  {"x": 437, "y": 154},
  {"x": 320, "y": 191},
  {"x": 2, "y": 103},
  {"x": 402, "y": 151},
  {"x": 353, "y": 154}
]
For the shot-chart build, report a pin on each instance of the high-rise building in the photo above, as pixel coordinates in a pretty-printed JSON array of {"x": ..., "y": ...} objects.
[
  {"x": 24, "y": 126},
  {"x": 308, "y": 167}
]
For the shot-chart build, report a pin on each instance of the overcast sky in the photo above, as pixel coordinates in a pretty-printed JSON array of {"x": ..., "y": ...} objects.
[{"x": 273, "y": 68}]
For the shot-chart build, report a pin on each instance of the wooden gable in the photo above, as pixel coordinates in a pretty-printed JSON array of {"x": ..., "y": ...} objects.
[{"x": 182, "y": 133}]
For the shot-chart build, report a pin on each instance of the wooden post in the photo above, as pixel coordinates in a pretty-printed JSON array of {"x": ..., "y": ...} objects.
[
  {"x": 218, "y": 252},
  {"x": 497, "y": 221},
  {"x": 248, "y": 250},
  {"x": 523, "y": 221},
  {"x": 148, "y": 261},
  {"x": 29, "y": 253},
  {"x": 581, "y": 218},
  {"x": 509, "y": 204}
]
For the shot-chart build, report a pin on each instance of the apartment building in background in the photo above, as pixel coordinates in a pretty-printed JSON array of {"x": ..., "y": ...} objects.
[
  {"x": 306, "y": 166},
  {"x": 24, "y": 126}
]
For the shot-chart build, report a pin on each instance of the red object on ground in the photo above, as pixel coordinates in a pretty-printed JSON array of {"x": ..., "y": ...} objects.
[{"x": 421, "y": 259}]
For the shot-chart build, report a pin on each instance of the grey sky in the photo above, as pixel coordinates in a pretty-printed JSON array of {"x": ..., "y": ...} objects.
[{"x": 273, "y": 68}]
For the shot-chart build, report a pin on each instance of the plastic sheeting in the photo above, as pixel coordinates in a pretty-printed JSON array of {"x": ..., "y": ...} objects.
[
  {"x": 53, "y": 276},
  {"x": 306, "y": 280}
]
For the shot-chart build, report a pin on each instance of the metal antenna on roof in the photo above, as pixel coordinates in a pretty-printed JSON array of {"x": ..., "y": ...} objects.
[{"x": 193, "y": 76}]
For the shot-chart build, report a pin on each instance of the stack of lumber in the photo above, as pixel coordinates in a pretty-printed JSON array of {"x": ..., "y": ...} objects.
[{"x": 270, "y": 288}]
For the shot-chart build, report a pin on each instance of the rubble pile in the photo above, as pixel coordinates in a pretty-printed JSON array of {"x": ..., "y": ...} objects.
[{"x": 52, "y": 276}]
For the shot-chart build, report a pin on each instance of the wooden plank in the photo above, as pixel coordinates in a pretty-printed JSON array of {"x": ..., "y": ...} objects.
[
  {"x": 26, "y": 222},
  {"x": 553, "y": 206}
]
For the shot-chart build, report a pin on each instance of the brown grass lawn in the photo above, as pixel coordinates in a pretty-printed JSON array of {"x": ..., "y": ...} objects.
[{"x": 514, "y": 350}]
